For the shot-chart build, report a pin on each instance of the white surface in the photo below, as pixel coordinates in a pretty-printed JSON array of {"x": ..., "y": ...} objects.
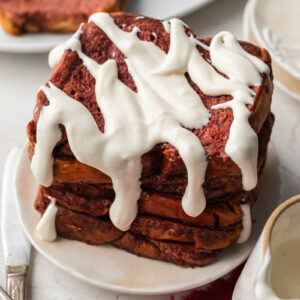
[
  {"x": 114, "y": 269},
  {"x": 16, "y": 246},
  {"x": 20, "y": 78},
  {"x": 43, "y": 42}
]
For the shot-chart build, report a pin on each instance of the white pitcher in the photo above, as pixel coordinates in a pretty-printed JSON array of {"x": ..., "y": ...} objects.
[{"x": 273, "y": 269}]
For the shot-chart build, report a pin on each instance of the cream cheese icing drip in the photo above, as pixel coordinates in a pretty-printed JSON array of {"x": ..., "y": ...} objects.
[
  {"x": 46, "y": 227},
  {"x": 155, "y": 114},
  {"x": 247, "y": 224}
]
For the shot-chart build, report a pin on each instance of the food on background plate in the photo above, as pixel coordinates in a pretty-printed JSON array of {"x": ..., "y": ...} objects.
[
  {"x": 151, "y": 139},
  {"x": 20, "y": 16}
]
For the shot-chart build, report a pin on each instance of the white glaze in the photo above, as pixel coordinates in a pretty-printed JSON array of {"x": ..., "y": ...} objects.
[
  {"x": 45, "y": 229},
  {"x": 156, "y": 114},
  {"x": 57, "y": 52},
  {"x": 247, "y": 224},
  {"x": 166, "y": 25},
  {"x": 154, "y": 35}
]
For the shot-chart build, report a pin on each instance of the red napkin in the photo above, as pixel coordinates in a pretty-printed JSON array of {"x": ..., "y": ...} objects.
[{"x": 221, "y": 289}]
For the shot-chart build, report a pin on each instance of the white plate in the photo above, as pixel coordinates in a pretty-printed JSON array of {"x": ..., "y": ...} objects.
[
  {"x": 44, "y": 42},
  {"x": 165, "y": 9},
  {"x": 117, "y": 270},
  {"x": 30, "y": 42}
]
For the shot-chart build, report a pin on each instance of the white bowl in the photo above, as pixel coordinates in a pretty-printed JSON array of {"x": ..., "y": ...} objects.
[{"x": 256, "y": 21}]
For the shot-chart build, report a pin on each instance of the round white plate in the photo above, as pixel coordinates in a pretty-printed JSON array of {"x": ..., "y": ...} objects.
[
  {"x": 44, "y": 42},
  {"x": 117, "y": 270}
]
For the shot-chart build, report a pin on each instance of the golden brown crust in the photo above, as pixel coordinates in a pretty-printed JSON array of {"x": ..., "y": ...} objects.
[
  {"x": 140, "y": 246},
  {"x": 219, "y": 215},
  {"x": 75, "y": 226},
  {"x": 216, "y": 188},
  {"x": 150, "y": 237},
  {"x": 20, "y": 16},
  {"x": 201, "y": 237},
  {"x": 179, "y": 254},
  {"x": 168, "y": 207}
]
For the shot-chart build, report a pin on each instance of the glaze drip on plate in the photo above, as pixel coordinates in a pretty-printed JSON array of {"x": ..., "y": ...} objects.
[
  {"x": 247, "y": 224},
  {"x": 161, "y": 111},
  {"x": 46, "y": 227}
]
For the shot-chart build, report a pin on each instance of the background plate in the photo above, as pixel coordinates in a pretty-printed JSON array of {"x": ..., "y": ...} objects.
[
  {"x": 165, "y": 9},
  {"x": 117, "y": 270},
  {"x": 30, "y": 42},
  {"x": 44, "y": 42}
]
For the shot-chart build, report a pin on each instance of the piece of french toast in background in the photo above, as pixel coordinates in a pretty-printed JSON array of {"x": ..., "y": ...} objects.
[{"x": 21, "y": 16}]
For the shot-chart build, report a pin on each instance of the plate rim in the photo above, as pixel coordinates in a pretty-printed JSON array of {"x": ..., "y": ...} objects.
[
  {"x": 148, "y": 290},
  {"x": 27, "y": 47}
]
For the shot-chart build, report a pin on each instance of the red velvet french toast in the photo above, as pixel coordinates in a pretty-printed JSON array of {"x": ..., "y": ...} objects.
[{"x": 162, "y": 228}]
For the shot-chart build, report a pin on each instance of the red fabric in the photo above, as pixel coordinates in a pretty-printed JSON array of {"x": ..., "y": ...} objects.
[{"x": 220, "y": 289}]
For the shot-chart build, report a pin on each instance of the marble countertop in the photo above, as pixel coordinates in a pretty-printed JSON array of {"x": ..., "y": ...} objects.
[{"x": 22, "y": 74}]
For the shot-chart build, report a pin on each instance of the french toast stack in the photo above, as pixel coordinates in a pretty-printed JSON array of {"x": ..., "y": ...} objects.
[
  {"x": 20, "y": 16},
  {"x": 161, "y": 230}
]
